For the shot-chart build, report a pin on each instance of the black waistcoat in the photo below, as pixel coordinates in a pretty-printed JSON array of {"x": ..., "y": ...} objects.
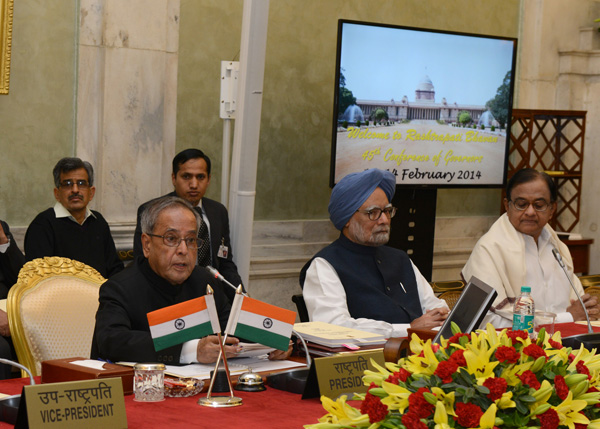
[{"x": 373, "y": 278}]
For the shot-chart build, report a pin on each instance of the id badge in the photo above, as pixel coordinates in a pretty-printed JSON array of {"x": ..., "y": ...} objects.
[{"x": 223, "y": 250}]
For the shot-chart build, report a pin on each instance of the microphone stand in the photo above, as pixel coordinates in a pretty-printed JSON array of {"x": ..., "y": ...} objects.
[
  {"x": 18, "y": 365},
  {"x": 292, "y": 380},
  {"x": 216, "y": 274},
  {"x": 589, "y": 340}
]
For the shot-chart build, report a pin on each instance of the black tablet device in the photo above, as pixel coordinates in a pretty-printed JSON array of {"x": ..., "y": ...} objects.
[{"x": 470, "y": 309}]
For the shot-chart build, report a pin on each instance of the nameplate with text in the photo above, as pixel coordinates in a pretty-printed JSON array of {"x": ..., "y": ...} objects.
[
  {"x": 74, "y": 404},
  {"x": 342, "y": 374}
]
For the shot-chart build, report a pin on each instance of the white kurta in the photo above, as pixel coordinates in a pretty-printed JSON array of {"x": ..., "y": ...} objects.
[
  {"x": 506, "y": 259},
  {"x": 325, "y": 300}
]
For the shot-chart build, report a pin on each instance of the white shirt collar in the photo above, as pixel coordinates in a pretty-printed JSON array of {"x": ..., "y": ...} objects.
[{"x": 61, "y": 211}]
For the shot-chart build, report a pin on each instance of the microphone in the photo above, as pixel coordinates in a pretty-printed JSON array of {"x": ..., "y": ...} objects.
[
  {"x": 589, "y": 340},
  {"x": 213, "y": 271}
]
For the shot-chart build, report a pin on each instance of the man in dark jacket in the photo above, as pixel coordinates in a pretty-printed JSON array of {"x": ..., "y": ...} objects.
[
  {"x": 191, "y": 177},
  {"x": 11, "y": 261}
]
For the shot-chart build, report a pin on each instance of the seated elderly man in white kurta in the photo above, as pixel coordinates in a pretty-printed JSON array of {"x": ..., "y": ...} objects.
[
  {"x": 517, "y": 251},
  {"x": 359, "y": 282}
]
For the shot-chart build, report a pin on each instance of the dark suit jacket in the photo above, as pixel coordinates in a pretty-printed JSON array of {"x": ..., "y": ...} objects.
[
  {"x": 219, "y": 233},
  {"x": 10, "y": 263}
]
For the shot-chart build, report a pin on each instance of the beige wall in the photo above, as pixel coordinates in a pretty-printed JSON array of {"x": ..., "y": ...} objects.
[
  {"x": 295, "y": 142},
  {"x": 36, "y": 117}
]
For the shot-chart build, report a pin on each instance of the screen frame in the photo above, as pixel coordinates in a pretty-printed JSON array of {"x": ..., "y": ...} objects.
[
  {"x": 514, "y": 40},
  {"x": 463, "y": 302}
]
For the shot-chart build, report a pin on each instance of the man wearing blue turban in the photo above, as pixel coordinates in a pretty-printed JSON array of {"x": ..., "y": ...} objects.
[{"x": 357, "y": 281}]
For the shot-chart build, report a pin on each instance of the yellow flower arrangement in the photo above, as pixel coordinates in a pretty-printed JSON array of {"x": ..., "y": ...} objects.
[{"x": 484, "y": 380}]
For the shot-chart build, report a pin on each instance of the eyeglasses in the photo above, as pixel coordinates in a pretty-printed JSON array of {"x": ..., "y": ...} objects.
[
  {"x": 173, "y": 240},
  {"x": 375, "y": 213},
  {"x": 538, "y": 205},
  {"x": 83, "y": 184}
]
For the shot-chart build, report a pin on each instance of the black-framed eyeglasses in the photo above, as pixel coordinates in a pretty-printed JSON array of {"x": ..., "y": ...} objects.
[
  {"x": 375, "y": 212},
  {"x": 173, "y": 240},
  {"x": 538, "y": 205},
  {"x": 83, "y": 184}
]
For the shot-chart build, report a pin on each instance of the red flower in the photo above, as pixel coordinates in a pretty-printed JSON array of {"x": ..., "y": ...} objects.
[
  {"x": 468, "y": 414},
  {"x": 456, "y": 338},
  {"x": 458, "y": 357},
  {"x": 549, "y": 419},
  {"x": 411, "y": 420},
  {"x": 555, "y": 344},
  {"x": 562, "y": 390},
  {"x": 534, "y": 351},
  {"x": 580, "y": 425},
  {"x": 513, "y": 335},
  {"x": 497, "y": 387},
  {"x": 507, "y": 354},
  {"x": 445, "y": 369},
  {"x": 529, "y": 379},
  {"x": 582, "y": 369},
  {"x": 418, "y": 404},
  {"x": 374, "y": 408},
  {"x": 401, "y": 375}
]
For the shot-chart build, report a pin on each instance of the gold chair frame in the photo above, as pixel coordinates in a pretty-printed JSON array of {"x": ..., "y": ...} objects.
[{"x": 31, "y": 278}]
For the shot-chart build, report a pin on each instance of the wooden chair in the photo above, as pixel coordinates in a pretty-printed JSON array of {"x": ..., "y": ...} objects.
[
  {"x": 52, "y": 310},
  {"x": 592, "y": 280},
  {"x": 593, "y": 291},
  {"x": 451, "y": 297},
  {"x": 444, "y": 286}
]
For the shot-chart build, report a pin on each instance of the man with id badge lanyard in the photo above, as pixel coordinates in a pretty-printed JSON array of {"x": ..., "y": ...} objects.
[{"x": 191, "y": 177}]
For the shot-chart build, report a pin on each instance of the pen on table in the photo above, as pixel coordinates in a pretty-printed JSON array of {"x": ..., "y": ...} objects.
[{"x": 403, "y": 287}]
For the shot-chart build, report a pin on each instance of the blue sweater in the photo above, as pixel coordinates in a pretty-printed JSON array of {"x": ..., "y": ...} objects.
[{"x": 373, "y": 278}]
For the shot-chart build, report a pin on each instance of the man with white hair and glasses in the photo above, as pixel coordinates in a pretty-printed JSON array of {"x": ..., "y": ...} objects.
[
  {"x": 357, "y": 281},
  {"x": 517, "y": 251}
]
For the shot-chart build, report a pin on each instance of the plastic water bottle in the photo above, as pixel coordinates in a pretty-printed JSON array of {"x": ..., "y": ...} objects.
[{"x": 523, "y": 311}]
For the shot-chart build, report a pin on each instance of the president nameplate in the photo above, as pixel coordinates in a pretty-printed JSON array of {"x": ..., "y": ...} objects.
[{"x": 342, "y": 374}]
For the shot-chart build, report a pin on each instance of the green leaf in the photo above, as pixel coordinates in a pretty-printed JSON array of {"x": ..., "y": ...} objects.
[
  {"x": 482, "y": 389},
  {"x": 521, "y": 408},
  {"x": 527, "y": 398}
]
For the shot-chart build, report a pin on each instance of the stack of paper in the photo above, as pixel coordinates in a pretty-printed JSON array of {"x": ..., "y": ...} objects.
[
  {"x": 333, "y": 335},
  {"x": 238, "y": 366}
]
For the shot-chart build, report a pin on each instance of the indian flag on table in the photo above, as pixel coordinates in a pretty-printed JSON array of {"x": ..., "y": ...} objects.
[
  {"x": 263, "y": 323},
  {"x": 183, "y": 322}
]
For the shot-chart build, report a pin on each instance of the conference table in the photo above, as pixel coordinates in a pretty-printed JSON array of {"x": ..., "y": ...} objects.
[{"x": 270, "y": 408}]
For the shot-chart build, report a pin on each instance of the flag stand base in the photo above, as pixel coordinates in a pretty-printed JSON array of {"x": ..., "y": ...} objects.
[{"x": 220, "y": 401}]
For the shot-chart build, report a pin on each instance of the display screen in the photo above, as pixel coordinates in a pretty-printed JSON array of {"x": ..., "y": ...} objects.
[
  {"x": 469, "y": 310},
  {"x": 432, "y": 107}
]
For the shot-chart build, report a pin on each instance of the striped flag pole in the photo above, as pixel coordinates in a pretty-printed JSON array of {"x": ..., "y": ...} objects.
[{"x": 222, "y": 355}]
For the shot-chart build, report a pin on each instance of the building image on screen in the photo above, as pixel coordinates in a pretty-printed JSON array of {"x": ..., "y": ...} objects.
[{"x": 430, "y": 106}]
